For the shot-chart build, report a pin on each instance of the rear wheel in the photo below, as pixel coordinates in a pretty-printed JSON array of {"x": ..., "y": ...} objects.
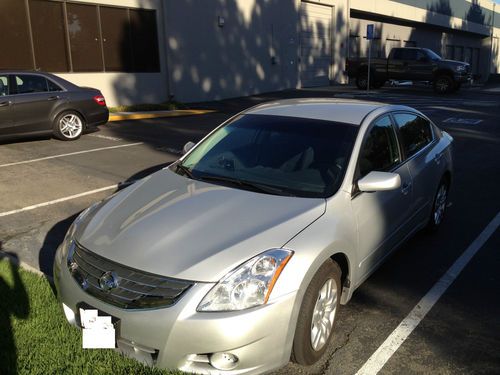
[
  {"x": 68, "y": 126},
  {"x": 317, "y": 315},
  {"x": 443, "y": 84},
  {"x": 439, "y": 205}
]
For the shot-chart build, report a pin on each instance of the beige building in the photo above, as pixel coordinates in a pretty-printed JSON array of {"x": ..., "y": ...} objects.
[{"x": 139, "y": 51}]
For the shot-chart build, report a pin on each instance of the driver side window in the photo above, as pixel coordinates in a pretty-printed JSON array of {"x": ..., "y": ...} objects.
[{"x": 380, "y": 150}]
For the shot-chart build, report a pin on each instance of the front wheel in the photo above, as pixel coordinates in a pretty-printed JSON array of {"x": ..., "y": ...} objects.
[
  {"x": 443, "y": 84},
  {"x": 317, "y": 315},
  {"x": 68, "y": 126}
]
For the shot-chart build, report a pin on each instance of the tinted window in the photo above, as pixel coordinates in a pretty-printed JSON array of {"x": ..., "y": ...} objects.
[
  {"x": 28, "y": 84},
  {"x": 302, "y": 157},
  {"x": 144, "y": 40},
  {"x": 380, "y": 150},
  {"x": 84, "y": 38},
  {"x": 15, "y": 47},
  {"x": 49, "y": 35},
  {"x": 415, "y": 132},
  {"x": 53, "y": 87},
  {"x": 116, "y": 39},
  {"x": 4, "y": 85}
]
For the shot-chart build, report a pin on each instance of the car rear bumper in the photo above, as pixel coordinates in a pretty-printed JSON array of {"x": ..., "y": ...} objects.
[
  {"x": 97, "y": 117},
  {"x": 179, "y": 337}
]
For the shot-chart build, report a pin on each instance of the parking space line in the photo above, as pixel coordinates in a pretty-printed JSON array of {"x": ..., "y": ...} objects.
[
  {"x": 49, "y": 203},
  {"x": 69, "y": 154},
  {"x": 412, "y": 320}
]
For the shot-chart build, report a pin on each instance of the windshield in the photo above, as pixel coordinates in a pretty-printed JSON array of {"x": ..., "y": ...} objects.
[
  {"x": 433, "y": 55},
  {"x": 275, "y": 155}
]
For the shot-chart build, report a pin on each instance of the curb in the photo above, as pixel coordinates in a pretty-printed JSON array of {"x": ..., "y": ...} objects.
[{"x": 157, "y": 114}]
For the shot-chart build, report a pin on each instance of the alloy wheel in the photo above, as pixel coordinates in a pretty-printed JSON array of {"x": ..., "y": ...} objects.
[{"x": 324, "y": 314}]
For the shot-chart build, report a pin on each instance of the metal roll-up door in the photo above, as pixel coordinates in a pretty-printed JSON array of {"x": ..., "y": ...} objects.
[{"x": 316, "y": 22}]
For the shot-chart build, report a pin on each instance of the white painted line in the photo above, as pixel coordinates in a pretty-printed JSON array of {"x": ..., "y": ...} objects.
[
  {"x": 412, "y": 320},
  {"x": 44, "y": 204},
  {"x": 463, "y": 121},
  {"x": 69, "y": 154},
  {"x": 105, "y": 137}
]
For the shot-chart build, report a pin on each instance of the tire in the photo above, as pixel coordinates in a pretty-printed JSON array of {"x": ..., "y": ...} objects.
[
  {"x": 439, "y": 205},
  {"x": 362, "y": 81},
  {"x": 68, "y": 126},
  {"x": 309, "y": 343},
  {"x": 443, "y": 84}
]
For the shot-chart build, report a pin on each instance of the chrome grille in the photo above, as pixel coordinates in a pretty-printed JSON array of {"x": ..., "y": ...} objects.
[{"x": 134, "y": 289}]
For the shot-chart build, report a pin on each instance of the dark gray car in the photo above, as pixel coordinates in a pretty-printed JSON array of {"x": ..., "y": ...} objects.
[{"x": 36, "y": 103}]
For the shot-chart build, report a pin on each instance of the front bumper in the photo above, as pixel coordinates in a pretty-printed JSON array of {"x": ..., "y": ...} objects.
[
  {"x": 179, "y": 337},
  {"x": 464, "y": 77}
]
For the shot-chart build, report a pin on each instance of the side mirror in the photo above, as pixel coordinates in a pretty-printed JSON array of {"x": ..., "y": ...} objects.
[
  {"x": 379, "y": 181},
  {"x": 188, "y": 146}
]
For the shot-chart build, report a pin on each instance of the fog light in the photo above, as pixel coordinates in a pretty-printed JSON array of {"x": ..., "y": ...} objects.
[{"x": 223, "y": 361}]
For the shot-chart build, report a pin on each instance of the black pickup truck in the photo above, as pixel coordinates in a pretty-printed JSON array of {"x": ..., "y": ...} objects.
[{"x": 411, "y": 64}]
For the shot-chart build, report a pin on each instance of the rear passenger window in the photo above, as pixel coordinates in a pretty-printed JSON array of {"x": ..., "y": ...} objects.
[
  {"x": 53, "y": 87},
  {"x": 4, "y": 85},
  {"x": 380, "y": 150},
  {"x": 29, "y": 84},
  {"x": 415, "y": 132}
]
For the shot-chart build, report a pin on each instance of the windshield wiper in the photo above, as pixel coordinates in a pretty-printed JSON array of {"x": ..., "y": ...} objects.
[
  {"x": 247, "y": 184},
  {"x": 185, "y": 170}
]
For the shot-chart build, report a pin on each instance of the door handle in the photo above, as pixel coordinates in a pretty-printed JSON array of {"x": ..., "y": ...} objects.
[
  {"x": 53, "y": 97},
  {"x": 405, "y": 189},
  {"x": 5, "y": 104}
]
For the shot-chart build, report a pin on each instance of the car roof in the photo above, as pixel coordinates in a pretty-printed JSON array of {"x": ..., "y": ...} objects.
[{"x": 335, "y": 110}]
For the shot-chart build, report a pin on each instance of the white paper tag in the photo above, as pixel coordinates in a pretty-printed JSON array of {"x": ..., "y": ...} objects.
[{"x": 98, "y": 332}]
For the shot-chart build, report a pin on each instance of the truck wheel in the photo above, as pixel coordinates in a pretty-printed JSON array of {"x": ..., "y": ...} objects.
[
  {"x": 362, "y": 81},
  {"x": 443, "y": 84}
]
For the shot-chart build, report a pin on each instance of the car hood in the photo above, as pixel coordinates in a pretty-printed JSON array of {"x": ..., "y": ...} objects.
[
  {"x": 173, "y": 226},
  {"x": 453, "y": 62}
]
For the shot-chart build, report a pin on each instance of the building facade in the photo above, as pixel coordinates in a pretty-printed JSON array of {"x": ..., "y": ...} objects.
[{"x": 148, "y": 51}]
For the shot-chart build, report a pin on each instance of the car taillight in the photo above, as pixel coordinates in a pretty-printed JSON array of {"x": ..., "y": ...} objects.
[{"x": 99, "y": 99}]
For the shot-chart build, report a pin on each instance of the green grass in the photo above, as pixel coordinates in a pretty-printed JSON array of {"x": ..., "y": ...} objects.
[
  {"x": 36, "y": 339},
  {"x": 168, "y": 106}
]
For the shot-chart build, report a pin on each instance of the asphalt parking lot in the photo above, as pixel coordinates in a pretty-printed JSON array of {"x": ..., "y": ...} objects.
[{"x": 45, "y": 183}]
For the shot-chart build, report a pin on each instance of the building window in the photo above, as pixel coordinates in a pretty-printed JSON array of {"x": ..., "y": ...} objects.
[
  {"x": 144, "y": 40},
  {"x": 49, "y": 35},
  {"x": 84, "y": 38},
  {"x": 92, "y": 38},
  {"x": 14, "y": 29},
  {"x": 116, "y": 39}
]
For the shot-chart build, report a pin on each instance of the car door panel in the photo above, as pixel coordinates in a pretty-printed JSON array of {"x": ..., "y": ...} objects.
[
  {"x": 6, "y": 121},
  {"x": 382, "y": 217},
  {"x": 423, "y": 161},
  {"x": 33, "y": 104},
  {"x": 383, "y": 220}
]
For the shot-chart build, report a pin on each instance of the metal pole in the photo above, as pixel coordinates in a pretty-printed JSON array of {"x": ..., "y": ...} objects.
[{"x": 369, "y": 62}]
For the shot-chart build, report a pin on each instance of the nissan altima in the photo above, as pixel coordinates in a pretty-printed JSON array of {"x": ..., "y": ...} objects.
[
  {"x": 36, "y": 103},
  {"x": 237, "y": 257}
]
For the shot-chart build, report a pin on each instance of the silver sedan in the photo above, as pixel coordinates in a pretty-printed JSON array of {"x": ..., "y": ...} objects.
[{"x": 237, "y": 257}]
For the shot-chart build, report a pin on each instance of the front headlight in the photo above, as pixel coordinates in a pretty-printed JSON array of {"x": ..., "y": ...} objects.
[
  {"x": 460, "y": 68},
  {"x": 248, "y": 285},
  {"x": 68, "y": 241}
]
